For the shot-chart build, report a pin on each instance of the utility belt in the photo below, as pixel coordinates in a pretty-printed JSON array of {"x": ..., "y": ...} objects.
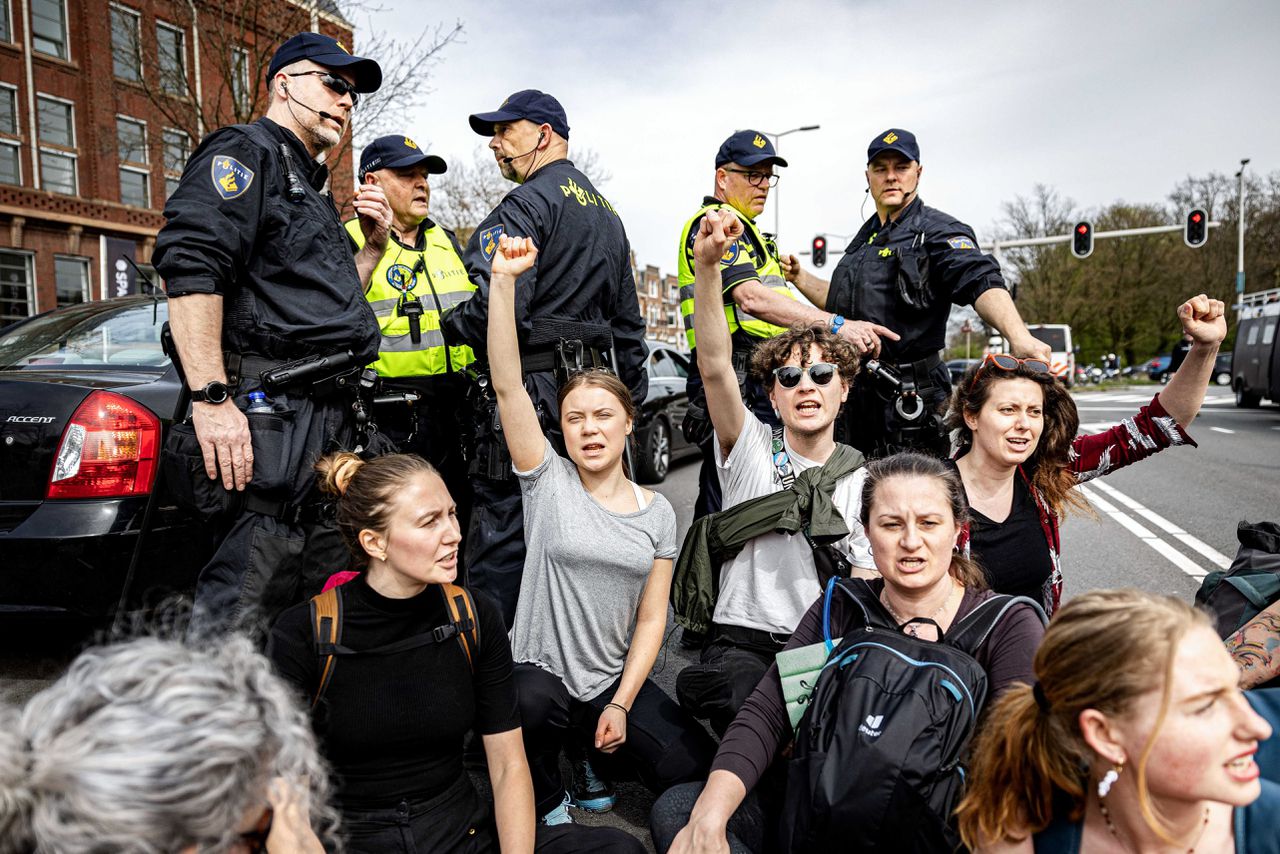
[
  {"x": 902, "y": 383},
  {"x": 314, "y": 376},
  {"x": 566, "y": 356}
]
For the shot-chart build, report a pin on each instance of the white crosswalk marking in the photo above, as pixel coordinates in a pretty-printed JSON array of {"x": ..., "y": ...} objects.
[
  {"x": 1098, "y": 426},
  {"x": 1174, "y": 556},
  {"x": 1164, "y": 524},
  {"x": 1221, "y": 430}
]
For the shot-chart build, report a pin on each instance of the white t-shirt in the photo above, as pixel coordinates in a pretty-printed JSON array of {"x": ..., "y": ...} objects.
[{"x": 772, "y": 581}]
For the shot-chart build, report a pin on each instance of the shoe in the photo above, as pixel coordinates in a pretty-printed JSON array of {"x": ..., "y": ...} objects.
[
  {"x": 559, "y": 815},
  {"x": 590, "y": 792}
]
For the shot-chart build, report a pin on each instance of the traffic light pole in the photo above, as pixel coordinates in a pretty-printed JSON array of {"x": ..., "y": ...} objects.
[{"x": 1000, "y": 245}]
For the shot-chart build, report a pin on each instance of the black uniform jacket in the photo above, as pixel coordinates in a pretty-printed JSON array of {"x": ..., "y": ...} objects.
[
  {"x": 866, "y": 283},
  {"x": 284, "y": 268},
  {"x": 583, "y": 272}
]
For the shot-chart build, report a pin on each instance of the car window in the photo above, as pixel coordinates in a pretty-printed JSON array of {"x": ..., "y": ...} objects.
[
  {"x": 103, "y": 334},
  {"x": 680, "y": 364},
  {"x": 1268, "y": 333},
  {"x": 659, "y": 365},
  {"x": 1056, "y": 338}
]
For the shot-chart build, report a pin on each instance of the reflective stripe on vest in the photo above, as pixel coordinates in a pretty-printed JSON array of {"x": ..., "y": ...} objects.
[
  {"x": 440, "y": 270},
  {"x": 768, "y": 269}
]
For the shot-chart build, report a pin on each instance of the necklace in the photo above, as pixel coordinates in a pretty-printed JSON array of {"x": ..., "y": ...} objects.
[
  {"x": 1111, "y": 828},
  {"x": 913, "y": 629}
]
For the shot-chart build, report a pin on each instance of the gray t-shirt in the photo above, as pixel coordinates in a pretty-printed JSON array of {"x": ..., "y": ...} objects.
[{"x": 585, "y": 569}]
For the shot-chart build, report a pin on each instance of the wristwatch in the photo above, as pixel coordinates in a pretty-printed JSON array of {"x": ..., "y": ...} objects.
[
  {"x": 836, "y": 322},
  {"x": 214, "y": 392}
]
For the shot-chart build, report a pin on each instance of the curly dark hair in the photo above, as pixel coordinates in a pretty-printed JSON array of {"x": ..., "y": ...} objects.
[
  {"x": 1048, "y": 464},
  {"x": 774, "y": 352}
]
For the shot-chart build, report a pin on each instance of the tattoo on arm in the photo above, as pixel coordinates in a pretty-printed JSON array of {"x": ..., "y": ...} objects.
[{"x": 1256, "y": 649}]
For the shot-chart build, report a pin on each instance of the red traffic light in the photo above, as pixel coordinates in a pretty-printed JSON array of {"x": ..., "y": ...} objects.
[
  {"x": 1195, "y": 217},
  {"x": 1082, "y": 228},
  {"x": 1082, "y": 240},
  {"x": 819, "y": 242},
  {"x": 1195, "y": 230},
  {"x": 819, "y": 253}
]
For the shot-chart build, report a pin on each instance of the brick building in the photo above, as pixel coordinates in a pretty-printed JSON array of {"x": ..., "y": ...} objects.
[
  {"x": 660, "y": 305},
  {"x": 100, "y": 105}
]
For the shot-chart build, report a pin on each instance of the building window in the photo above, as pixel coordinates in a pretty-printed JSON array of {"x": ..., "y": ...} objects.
[
  {"x": 10, "y": 143},
  {"x": 171, "y": 47},
  {"x": 6, "y": 25},
  {"x": 57, "y": 144},
  {"x": 177, "y": 148},
  {"x": 49, "y": 27},
  {"x": 126, "y": 39},
  {"x": 240, "y": 80},
  {"x": 72, "y": 276},
  {"x": 17, "y": 286},
  {"x": 131, "y": 137}
]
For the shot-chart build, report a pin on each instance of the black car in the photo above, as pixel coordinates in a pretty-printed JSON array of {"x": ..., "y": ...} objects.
[
  {"x": 86, "y": 399},
  {"x": 658, "y": 436}
]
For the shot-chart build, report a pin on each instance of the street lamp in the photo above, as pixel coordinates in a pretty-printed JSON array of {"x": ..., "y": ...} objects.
[
  {"x": 1240, "y": 229},
  {"x": 777, "y": 138}
]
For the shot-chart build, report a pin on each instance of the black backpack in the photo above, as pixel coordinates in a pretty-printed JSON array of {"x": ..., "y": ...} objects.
[
  {"x": 877, "y": 764},
  {"x": 1236, "y": 595}
]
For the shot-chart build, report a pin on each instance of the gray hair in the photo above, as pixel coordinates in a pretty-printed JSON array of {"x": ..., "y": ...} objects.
[{"x": 149, "y": 746}]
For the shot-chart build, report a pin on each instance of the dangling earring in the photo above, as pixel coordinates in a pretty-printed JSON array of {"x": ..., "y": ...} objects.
[{"x": 1108, "y": 780}]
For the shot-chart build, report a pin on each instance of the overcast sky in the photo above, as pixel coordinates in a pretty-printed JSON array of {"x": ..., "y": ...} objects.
[{"x": 1103, "y": 101}]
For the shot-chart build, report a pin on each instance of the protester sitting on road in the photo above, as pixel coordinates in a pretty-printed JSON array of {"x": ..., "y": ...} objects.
[
  {"x": 1135, "y": 738},
  {"x": 409, "y": 680},
  {"x": 1020, "y": 458},
  {"x": 766, "y": 588},
  {"x": 593, "y": 603},
  {"x": 913, "y": 509},
  {"x": 150, "y": 745}
]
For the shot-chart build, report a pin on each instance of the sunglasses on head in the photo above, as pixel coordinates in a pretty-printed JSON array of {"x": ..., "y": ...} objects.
[
  {"x": 1005, "y": 362},
  {"x": 335, "y": 83},
  {"x": 788, "y": 376}
]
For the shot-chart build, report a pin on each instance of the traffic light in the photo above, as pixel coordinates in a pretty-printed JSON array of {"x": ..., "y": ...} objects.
[
  {"x": 1196, "y": 231},
  {"x": 819, "y": 251},
  {"x": 1082, "y": 239}
]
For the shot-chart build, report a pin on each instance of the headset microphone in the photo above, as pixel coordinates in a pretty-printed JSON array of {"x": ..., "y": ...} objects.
[
  {"x": 508, "y": 160},
  {"x": 321, "y": 113}
]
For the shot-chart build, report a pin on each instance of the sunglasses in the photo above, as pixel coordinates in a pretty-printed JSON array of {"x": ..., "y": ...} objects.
[
  {"x": 335, "y": 83},
  {"x": 1005, "y": 362},
  {"x": 788, "y": 376}
]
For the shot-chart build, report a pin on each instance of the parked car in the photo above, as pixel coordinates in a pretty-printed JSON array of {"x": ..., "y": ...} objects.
[
  {"x": 87, "y": 396},
  {"x": 658, "y": 440},
  {"x": 1158, "y": 368},
  {"x": 1255, "y": 363},
  {"x": 957, "y": 367},
  {"x": 1222, "y": 369}
]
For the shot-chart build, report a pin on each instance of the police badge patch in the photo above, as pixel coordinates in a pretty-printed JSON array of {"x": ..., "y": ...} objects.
[
  {"x": 731, "y": 254},
  {"x": 961, "y": 243},
  {"x": 231, "y": 178},
  {"x": 489, "y": 241},
  {"x": 402, "y": 278}
]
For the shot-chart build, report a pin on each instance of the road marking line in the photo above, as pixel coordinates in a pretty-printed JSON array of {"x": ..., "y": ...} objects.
[
  {"x": 1169, "y": 552},
  {"x": 1221, "y": 430},
  {"x": 1211, "y": 401},
  {"x": 1098, "y": 426},
  {"x": 1164, "y": 524}
]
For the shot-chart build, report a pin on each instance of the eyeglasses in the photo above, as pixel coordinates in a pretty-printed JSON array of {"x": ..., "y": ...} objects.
[
  {"x": 788, "y": 376},
  {"x": 334, "y": 82},
  {"x": 1005, "y": 362},
  {"x": 757, "y": 179}
]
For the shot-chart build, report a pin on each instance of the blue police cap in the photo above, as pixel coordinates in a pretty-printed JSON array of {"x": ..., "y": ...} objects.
[
  {"x": 895, "y": 139},
  {"x": 747, "y": 148},
  {"x": 397, "y": 152},
  {"x": 330, "y": 53},
  {"x": 528, "y": 104}
]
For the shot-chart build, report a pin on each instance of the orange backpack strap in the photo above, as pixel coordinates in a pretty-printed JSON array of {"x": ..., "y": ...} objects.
[
  {"x": 326, "y": 625},
  {"x": 462, "y": 613}
]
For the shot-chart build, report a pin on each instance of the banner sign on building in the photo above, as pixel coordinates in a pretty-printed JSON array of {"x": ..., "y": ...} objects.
[{"x": 119, "y": 278}]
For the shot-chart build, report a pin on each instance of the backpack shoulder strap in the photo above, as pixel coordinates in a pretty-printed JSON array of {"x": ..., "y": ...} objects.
[
  {"x": 326, "y": 626},
  {"x": 866, "y": 603},
  {"x": 972, "y": 632},
  {"x": 462, "y": 614}
]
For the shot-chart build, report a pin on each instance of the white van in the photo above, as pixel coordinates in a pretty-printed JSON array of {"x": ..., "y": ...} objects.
[{"x": 1062, "y": 360}]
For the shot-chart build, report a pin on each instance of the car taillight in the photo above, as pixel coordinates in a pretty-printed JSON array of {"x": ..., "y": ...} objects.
[{"x": 109, "y": 450}]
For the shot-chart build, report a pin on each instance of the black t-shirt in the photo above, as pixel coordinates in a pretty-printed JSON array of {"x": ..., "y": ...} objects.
[
  {"x": 392, "y": 725},
  {"x": 1014, "y": 553}
]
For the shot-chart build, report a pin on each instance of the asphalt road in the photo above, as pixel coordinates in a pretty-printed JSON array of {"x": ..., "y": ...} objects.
[{"x": 1160, "y": 526}]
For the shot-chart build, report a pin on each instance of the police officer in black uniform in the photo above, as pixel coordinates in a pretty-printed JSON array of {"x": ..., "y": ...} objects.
[
  {"x": 576, "y": 308},
  {"x": 903, "y": 270},
  {"x": 260, "y": 276}
]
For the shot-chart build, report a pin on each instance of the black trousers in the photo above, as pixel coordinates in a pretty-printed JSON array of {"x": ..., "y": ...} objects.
[
  {"x": 748, "y": 831},
  {"x": 870, "y": 423},
  {"x": 265, "y": 564},
  {"x": 459, "y": 822},
  {"x": 728, "y": 670},
  {"x": 664, "y": 745}
]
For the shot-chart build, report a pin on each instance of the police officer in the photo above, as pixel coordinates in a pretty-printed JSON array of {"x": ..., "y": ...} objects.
[
  {"x": 576, "y": 308},
  {"x": 419, "y": 276},
  {"x": 758, "y": 302},
  {"x": 259, "y": 274},
  {"x": 903, "y": 270}
]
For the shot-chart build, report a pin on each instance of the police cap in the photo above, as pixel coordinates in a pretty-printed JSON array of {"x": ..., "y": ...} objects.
[
  {"x": 330, "y": 53},
  {"x": 747, "y": 148},
  {"x": 397, "y": 151},
  {"x": 528, "y": 104},
  {"x": 895, "y": 139}
]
